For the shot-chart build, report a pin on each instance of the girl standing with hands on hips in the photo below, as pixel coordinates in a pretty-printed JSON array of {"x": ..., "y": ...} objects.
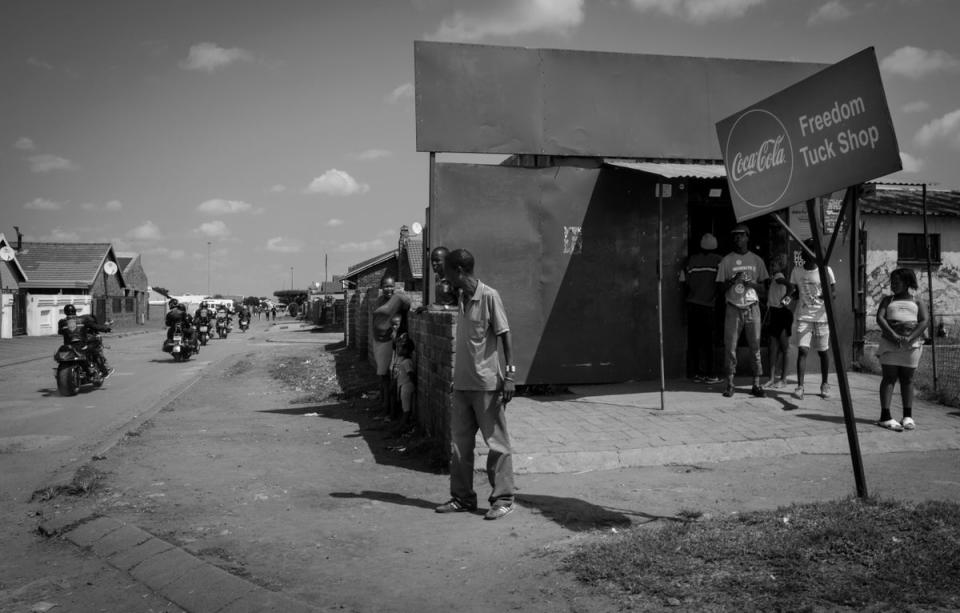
[{"x": 902, "y": 320}]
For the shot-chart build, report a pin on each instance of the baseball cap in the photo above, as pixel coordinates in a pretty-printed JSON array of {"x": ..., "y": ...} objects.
[{"x": 740, "y": 228}]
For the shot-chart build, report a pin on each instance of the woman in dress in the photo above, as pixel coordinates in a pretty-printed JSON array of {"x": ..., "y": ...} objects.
[{"x": 902, "y": 320}]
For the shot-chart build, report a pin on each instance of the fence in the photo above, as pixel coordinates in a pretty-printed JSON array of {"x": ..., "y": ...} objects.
[{"x": 945, "y": 389}]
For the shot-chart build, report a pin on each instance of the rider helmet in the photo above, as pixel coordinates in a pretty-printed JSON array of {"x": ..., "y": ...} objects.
[
  {"x": 173, "y": 303},
  {"x": 70, "y": 310}
]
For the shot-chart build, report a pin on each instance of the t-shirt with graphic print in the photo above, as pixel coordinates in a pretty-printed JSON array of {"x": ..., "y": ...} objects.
[
  {"x": 810, "y": 306},
  {"x": 753, "y": 269}
]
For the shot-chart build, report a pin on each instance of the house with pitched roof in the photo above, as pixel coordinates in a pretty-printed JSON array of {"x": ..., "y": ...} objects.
[
  {"x": 137, "y": 292},
  {"x": 87, "y": 275},
  {"x": 13, "y": 315}
]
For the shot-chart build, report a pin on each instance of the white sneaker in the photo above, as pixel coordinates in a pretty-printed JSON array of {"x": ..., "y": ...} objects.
[
  {"x": 909, "y": 424},
  {"x": 891, "y": 424}
]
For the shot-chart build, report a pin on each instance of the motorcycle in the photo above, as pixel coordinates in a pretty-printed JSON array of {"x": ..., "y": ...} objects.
[
  {"x": 178, "y": 346},
  {"x": 77, "y": 365},
  {"x": 203, "y": 332},
  {"x": 223, "y": 327},
  {"x": 244, "y": 324}
]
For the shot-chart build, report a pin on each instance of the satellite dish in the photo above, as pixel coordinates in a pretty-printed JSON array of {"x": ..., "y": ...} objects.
[
  {"x": 110, "y": 268},
  {"x": 416, "y": 228},
  {"x": 7, "y": 253}
]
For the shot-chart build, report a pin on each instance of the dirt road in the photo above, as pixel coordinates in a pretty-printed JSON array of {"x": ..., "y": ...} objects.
[{"x": 273, "y": 472}]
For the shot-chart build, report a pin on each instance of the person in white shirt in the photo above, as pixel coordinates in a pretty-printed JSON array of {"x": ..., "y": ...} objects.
[{"x": 812, "y": 330}]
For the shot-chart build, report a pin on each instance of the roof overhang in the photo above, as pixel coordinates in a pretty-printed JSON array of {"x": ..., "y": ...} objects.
[
  {"x": 672, "y": 170},
  {"x": 370, "y": 264}
]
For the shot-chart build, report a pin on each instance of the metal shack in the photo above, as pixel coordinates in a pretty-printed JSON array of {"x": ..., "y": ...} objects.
[{"x": 572, "y": 227}]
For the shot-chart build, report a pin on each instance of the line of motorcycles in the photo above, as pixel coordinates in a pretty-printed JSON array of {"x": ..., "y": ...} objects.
[{"x": 184, "y": 343}]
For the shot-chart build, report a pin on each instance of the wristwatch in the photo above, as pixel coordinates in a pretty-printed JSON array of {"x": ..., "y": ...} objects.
[{"x": 511, "y": 369}]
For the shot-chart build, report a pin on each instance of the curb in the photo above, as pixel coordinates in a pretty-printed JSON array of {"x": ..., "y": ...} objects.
[{"x": 173, "y": 573}]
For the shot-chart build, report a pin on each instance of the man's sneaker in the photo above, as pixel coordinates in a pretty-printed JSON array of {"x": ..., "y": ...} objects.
[
  {"x": 498, "y": 511},
  {"x": 798, "y": 393},
  {"x": 891, "y": 424},
  {"x": 728, "y": 392},
  {"x": 757, "y": 391},
  {"x": 698, "y": 378},
  {"x": 712, "y": 380},
  {"x": 454, "y": 506},
  {"x": 908, "y": 423},
  {"x": 825, "y": 391}
]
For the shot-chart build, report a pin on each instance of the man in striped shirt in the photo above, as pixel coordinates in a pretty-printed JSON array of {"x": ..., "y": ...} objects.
[{"x": 699, "y": 278}]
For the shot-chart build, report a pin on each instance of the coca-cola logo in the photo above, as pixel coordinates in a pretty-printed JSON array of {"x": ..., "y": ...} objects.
[{"x": 759, "y": 158}]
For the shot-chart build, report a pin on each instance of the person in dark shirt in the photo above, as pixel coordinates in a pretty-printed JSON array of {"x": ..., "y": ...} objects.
[
  {"x": 699, "y": 278},
  {"x": 77, "y": 329}
]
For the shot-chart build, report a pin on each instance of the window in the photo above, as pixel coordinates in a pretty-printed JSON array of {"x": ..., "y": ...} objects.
[
  {"x": 129, "y": 305},
  {"x": 910, "y": 248},
  {"x": 117, "y": 305}
]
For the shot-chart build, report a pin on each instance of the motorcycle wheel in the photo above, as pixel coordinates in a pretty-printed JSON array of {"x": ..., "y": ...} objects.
[
  {"x": 203, "y": 340},
  {"x": 178, "y": 356},
  {"x": 68, "y": 380}
]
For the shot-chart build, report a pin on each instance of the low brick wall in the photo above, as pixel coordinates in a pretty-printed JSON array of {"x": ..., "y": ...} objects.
[{"x": 434, "y": 334}]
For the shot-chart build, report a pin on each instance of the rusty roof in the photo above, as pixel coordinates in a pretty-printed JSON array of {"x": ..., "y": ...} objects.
[{"x": 904, "y": 200}]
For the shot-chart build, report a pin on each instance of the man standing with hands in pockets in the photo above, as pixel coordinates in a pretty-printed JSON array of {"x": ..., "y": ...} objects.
[{"x": 481, "y": 391}]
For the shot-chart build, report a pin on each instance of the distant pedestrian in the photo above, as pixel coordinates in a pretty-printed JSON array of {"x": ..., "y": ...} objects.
[
  {"x": 740, "y": 275},
  {"x": 902, "y": 320},
  {"x": 273, "y": 313},
  {"x": 812, "y": 328},
  {"x": 778, "y": 320},
  {"x": 481, "y": 391},
  {"x": 699, "y": 278}
]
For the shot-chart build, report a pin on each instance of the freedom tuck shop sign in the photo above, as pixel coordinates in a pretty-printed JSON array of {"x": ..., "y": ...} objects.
[{"x": 828, "y": 132}]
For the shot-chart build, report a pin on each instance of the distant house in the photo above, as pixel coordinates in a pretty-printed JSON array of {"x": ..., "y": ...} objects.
[
  {"x": 893, "y": 230},
  {"x": 157, "y": 302},
  {"x": 362, "y": 281},
  {"x": 138, "y": 286},
  {"x": 13, "y": 299},
  {"x": 87, "y": 275}
]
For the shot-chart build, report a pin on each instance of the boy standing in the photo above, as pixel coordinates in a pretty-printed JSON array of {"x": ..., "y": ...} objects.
[
  {"x": 740, "y": 275},
  {"x": 813, "y": 332},
  {"x": 699, "y": 278}
]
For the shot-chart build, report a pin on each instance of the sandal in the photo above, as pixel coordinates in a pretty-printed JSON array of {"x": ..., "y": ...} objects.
[{"x": 891, "y": 424}]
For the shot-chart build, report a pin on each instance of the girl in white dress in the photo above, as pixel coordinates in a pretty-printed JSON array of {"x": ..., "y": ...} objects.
[{"x": 902, "y": 320}]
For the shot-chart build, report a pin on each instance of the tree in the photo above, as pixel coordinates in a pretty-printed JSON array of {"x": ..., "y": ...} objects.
[
  {"x": 160, "y": 290},
  {"x": 251, "y": 301}
]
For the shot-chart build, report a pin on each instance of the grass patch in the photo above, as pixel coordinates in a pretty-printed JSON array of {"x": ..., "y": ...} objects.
[{"x": 848, "y": 554}]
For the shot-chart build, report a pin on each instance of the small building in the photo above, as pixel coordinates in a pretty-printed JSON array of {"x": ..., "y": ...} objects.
[
  {"x": 13, "y": 299},
  {"x": 137, "y": 295},
  {"x": 87, "y": 275},
  {"x": 892, "y": 218}
]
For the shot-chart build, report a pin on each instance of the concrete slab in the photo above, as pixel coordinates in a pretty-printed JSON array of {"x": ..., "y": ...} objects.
[
  {"x": 122, "y": 539},
  {"x": 89, "y": 533},
  {"x": 127, "y": 559},
  {"x": 164, "y": 568},
  {"x": 207, "y": 588}
]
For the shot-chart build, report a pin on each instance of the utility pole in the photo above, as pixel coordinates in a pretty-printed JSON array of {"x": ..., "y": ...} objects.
[
  {"x": 291, "y": 277},
  {"x": 208, "y": 269}
]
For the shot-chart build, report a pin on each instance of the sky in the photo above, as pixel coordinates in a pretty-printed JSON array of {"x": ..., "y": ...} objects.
[{"x": 270, "y": 145}]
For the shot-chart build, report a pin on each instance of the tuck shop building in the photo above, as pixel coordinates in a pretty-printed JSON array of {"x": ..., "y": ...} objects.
[{"x": 613, "y": 172}]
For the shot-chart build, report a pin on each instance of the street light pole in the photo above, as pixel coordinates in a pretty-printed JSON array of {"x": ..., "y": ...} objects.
[
  {"x": 291, "y": 277},
  {"x": 208, "y": 269}
]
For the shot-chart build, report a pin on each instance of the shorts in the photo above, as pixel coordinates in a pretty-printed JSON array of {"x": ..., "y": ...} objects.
[
  {"x": 813, "y": 335},
  {"x": 383, "y": 354},
  {"x": 779, "y": 319},
  {"x": 406, "y": 396}
]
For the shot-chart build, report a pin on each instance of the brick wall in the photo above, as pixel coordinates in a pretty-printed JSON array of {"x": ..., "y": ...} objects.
[{"x": 433, "y": 333}]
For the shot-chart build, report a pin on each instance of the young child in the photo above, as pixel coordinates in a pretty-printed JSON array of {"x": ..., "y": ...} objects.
[
  {"x": 403, "y": 374},
  {"x": 779, "y": 321},
  {"x": 902, "y": 320},
  {"x": 813, "y": 331}
]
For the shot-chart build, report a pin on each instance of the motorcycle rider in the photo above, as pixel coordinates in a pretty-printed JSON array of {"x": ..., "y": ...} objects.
[
  {"x": 178, "y": 314},
  {"x": 77, "y": 329},
  {"x": 203, "y": 315},
  {"x": 223, "y": 317},
  {"x": 243, "y": 315}
]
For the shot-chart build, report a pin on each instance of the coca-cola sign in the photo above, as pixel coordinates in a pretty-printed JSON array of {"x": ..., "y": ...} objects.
[
  {"x": 828, "y": 132},
  {"x": 761, "y": 169}
]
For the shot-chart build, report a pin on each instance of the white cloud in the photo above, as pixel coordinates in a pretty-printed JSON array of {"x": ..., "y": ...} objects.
[
  {"x": 219, "y": 206},
  {"x": 917, "y": 106},
  {"x": 945, "y": 129},
  {"x": 37, "y": 62},
  {"x": 400, "y": 92},
  {"x": 479, "y": 20},
  {"x": 336, "y": 183},
  {"x": 375, "y": 244},
  {"x": 830, "y": 12},
  {"x": 698, "y": 11},
  {"x": 210, "y": 56},
  {"x": 284, "y": 245},
  {"x": 370, "y": 154},
  {"x": 910, "y": 163},
  {"x": 107, "y": 207},
  {"x": 42, "y": 204},
  {"x": 915, "y": 63},
  {"x": 46, "y": 162},
  {"x": 333, "y": 223},
  {"x": 147, "y": 231},
  {"x": 278, "y": 188},
  {"x": 173, "y": 254},
  {"x": 25, "y": 144},
  {"x": 57, "y": 235},
  {"x": 213, "y": 229}
]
